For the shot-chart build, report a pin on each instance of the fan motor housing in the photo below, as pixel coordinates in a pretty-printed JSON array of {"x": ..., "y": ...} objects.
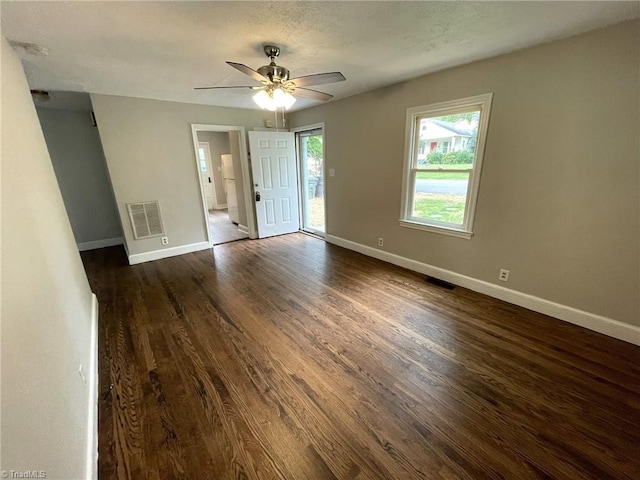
[{"x": 274, "y": 72}]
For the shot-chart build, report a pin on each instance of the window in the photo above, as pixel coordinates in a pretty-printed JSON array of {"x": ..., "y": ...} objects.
[
  {"x": 440, "y": 189},
  {"x": 203, "y": 159}
]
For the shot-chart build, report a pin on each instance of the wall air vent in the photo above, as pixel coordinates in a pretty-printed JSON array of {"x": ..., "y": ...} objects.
[{"x": 146, "y": 220}]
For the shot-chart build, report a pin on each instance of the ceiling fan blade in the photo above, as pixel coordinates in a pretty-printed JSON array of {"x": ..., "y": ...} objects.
[
  {"x": 234, "y": 86},
  {"x": 318, "y": 79},
  {"x": 306, "y": 92},
  {"x": 248, "y": 71}
]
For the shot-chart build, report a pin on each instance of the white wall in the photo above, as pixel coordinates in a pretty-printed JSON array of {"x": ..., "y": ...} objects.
[
  {"x": 79, "y": 164},
  {"x": 148, "y": 145},
  {"x": 46, "y": 302},
  {"x": 218, "y": 145},
  {"x": 559, "y": 193}
]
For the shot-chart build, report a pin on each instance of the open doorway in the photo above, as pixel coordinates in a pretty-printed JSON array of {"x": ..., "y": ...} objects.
[
  {"x": 311, "y": 168},
  {"x": 224, "y": 182}
]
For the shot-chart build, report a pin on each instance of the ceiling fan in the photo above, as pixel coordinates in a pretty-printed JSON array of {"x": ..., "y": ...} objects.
[{"x": 277, "y": 88}]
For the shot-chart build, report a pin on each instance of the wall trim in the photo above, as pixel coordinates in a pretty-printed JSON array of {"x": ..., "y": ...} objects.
[
  {"x": 92, "y": 417},
  {"x": 243, "y": 229},
  {"x": 167, "y": 252},
  {"x": 591, "y": 321},
  {"x": 107, "y": 242}
]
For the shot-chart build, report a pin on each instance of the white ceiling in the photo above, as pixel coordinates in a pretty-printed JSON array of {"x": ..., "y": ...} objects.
[{"x": 162, "y": 50}]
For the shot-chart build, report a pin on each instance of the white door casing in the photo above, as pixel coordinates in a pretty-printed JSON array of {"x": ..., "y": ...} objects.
[
  {"x": 273, "y": 165},
  {"x": 206, "y": 171},
  {"x": 237, "y": 134}
]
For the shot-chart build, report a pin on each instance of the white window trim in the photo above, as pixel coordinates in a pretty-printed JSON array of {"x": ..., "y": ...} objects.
[{"x": 411, "y": 144}]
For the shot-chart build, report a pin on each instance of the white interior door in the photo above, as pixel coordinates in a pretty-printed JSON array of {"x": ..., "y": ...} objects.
[
  {"x": 206, "y": 171},
  {"x": 273, "y": 165}
]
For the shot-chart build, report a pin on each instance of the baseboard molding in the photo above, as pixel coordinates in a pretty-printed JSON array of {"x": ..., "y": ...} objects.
[
  {"x": 92, "y": 424},
  {"x": 167, "y": 252},
  {"x": 592, "y": 321},
  {"x": 243, "y": 229},
  {"x": 107, "y": 242}
]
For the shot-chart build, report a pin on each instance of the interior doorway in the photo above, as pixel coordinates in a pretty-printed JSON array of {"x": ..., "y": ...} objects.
[
  {"x": 311, "y": 171},
  {"x": 221, "y": 159}
]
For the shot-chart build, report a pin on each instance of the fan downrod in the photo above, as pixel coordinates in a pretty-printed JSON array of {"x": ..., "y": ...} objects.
[{"x": 275, "y": 73}]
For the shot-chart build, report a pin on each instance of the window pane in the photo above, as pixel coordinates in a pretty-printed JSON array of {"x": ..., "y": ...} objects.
[
  {"x": 448, "y": 141},
  {"x": 440, "y": 198}
]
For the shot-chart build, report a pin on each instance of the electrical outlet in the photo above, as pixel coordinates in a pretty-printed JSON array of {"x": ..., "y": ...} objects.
[
  {"x": 381, "y": 242},
  {"x": 332, "y": 172},
  {"x": 165, "y": 240},
  {"x": 504, "y": 275}
]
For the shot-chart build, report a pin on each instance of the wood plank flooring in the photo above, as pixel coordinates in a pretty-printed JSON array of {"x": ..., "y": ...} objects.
[{"x": 289, "y": 358}]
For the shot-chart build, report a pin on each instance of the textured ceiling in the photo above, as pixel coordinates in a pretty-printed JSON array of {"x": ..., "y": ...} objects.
[{"x": 162, "y": 50}]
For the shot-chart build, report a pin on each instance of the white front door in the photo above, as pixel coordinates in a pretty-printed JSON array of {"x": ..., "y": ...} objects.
[
  {"x": 206, "y": 171},
  {"x": 273, "y": 164}
]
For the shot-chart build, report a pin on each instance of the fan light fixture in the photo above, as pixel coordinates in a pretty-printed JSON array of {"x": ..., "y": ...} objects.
[
  {"x": 274, "y": 98},
  {"x": 278, "y": 89}
]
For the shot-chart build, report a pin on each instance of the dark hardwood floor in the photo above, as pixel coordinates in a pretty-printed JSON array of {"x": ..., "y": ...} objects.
[{"x": 291, "y": 358}]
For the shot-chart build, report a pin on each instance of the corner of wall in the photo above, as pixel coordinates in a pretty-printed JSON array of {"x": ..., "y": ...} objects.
[{"x": 92, "y": 424}]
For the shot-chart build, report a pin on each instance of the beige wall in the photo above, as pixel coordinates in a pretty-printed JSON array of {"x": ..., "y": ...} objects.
[
  {"x": 78, "y": 161},
  {"x": 559, "y": 193},
  {"x": 218, "y": 145},
  {"x": 46, "y": 301},
  {"x": 149, "y": 150}
]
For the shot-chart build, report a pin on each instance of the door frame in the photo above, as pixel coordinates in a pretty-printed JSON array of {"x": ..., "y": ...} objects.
[
  {"x": 246, "y": 175},
  {"x": 295, "y": 131},
  {"x": 216, "y": 205}
]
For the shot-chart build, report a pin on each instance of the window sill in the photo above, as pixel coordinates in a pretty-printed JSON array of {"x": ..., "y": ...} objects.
[{"x": 452, "y": 232}]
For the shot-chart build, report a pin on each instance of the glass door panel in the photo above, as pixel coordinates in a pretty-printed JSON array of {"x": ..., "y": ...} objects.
[{"x": 311, "y": 155}]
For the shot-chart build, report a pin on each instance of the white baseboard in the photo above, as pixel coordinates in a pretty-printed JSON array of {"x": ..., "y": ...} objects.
[
  {"x": 592, "y": 321},
  {"x": 167, "y": 252},
  {"x": 107, "y": 242},
  {"x": 220, "y": 206},
  {"x": 92, "y": 424},
  {"x": 243, "y": 229}
]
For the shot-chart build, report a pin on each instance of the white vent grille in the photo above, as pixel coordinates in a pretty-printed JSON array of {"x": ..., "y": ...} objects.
[{"x": 146, "y": 220}]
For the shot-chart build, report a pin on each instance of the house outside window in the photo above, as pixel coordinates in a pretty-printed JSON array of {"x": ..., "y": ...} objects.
[{"x": 443, "y": 160}]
